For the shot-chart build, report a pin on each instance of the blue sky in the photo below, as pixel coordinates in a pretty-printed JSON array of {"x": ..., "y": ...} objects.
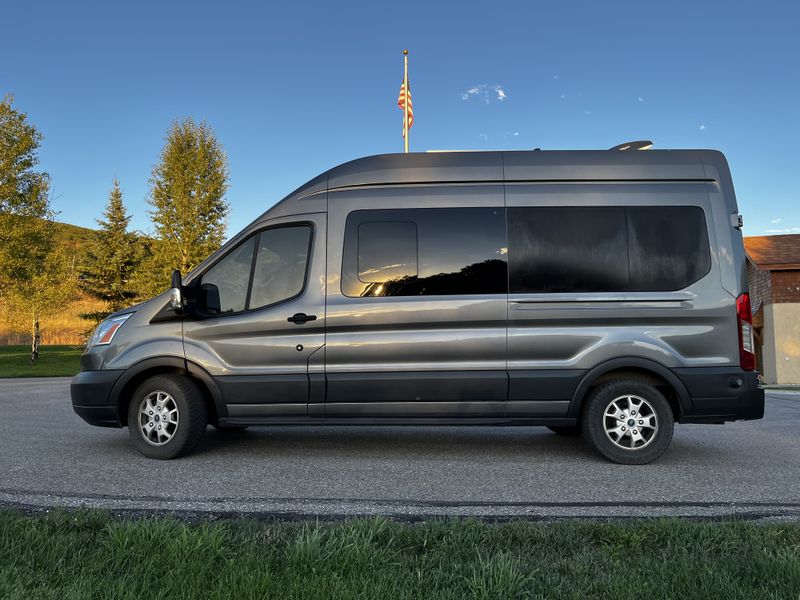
[{"x": 294, "y": 88}]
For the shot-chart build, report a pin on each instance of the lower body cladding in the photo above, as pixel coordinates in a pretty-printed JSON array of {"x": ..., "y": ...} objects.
[{"x": 536, "y": 397}]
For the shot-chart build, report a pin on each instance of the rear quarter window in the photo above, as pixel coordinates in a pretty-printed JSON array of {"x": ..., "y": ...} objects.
[{"x": 606, "y": 249}]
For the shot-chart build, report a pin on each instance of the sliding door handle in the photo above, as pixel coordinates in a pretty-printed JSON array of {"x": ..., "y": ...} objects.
[{"x": 300, "y": 318}]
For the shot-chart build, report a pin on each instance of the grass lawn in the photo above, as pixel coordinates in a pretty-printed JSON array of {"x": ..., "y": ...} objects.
[
  {"x": 92, "y": 555},
  {"x": 54, "y": 361}
]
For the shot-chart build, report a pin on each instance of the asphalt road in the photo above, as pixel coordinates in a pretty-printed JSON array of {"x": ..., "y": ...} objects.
[{"x": 51, "y": 458}]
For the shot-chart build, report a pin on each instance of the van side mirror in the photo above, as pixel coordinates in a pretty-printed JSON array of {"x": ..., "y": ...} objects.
[{"x": 176, "y": 297}]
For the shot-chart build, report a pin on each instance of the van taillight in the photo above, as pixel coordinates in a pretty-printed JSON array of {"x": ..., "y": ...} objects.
[{"x": 747, "y": 357}]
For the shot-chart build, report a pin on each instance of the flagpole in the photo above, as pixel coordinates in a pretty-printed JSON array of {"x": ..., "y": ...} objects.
[{"x": 405, "y": 104}]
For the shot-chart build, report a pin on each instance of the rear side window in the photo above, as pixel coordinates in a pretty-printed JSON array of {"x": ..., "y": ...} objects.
[
  {"x": 606, "y": 249},
  {"x": 425, "y": 252},
  {"x": 387, "y": 251},
  {"x": 562, "y": 249},
  {"x": 668, "y": 247}
]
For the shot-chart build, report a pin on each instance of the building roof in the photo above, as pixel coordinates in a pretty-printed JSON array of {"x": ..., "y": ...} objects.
[{"x": 774, "y": 252}]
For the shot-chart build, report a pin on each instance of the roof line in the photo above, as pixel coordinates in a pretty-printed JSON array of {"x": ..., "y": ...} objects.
[{"x": 511, "y": 181}]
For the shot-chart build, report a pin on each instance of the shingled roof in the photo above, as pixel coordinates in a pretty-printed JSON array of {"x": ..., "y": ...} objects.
[{"x": 774, "y": 252}]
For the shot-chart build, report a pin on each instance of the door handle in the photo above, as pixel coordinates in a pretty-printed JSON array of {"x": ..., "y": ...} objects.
[{"x": 300, "y": 318}]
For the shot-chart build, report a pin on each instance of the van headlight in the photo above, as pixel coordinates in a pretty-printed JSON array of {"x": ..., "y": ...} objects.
[{"x": 104, "y": 332}]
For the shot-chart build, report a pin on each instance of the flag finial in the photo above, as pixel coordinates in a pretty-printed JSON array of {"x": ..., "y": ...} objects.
[{"x": 405, "y": 51}]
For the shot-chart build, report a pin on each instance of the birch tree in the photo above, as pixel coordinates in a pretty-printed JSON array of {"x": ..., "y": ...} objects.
[{"x": 32, "y": 274}]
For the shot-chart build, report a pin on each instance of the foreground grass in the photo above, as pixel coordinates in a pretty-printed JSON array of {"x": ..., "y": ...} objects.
[
  {"x": 54, "y": 361},
  {"x": 91, "y": 555}
]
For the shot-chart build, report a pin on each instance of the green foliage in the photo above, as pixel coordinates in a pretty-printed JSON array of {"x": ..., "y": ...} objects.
[
  {"x": 99, "y": 556},
  {"x": 108, "y": 269},
  {"x": 153, "y": 273},
  {"x": 187, "y": 197},
  {"x": 49, "y": 284},
  {"x": 35, "y": 276},
  {"x": 23, "y": 190},
  {"x": 23, "y": 199}
]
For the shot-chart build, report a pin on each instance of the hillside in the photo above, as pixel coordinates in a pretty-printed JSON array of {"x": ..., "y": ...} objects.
[
  {"x": 74, "y": 237},
  {"x": 66, "y": 326}
]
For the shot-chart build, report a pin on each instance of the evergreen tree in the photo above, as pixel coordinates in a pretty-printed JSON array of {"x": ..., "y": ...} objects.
[
  {"x": 33, "y": 277},
  {"x": 110, "y": 263},
  {"x": 187, "y": 197}
]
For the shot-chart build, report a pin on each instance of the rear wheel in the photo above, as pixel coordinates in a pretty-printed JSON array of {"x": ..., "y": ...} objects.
[
  {"x": 167, "y": 417},
  {"x": 628, "y": 421}
]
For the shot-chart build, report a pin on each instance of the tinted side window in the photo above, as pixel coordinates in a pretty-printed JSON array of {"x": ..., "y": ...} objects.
[
  {"x": 606, "y": 249},
  {"x": 567, "y": 249},
  {"x": 668, "y": 247},
  {"x": 425, "y": 252},
  {"x": 386, "y": 251},
  {"x": 223, "y": 287},
  {"x": 280, "y": 269}
]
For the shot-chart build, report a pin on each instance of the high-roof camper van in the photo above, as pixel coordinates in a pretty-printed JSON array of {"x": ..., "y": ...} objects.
[{"x": 593, "y": 292}]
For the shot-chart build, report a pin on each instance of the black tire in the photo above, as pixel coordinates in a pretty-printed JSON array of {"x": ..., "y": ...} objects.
[
  {"x": 594, "y": 419},
  {"x": 192, "y": 416},
  {"x": 565, "y": 430}
]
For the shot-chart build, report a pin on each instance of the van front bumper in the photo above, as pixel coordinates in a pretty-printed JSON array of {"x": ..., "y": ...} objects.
[
  {"x": 91, "y": 397},
  {"x": 722, "y": 394}
]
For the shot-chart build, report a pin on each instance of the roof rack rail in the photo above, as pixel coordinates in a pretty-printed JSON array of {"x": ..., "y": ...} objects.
[{"x": 637, "y": 145}]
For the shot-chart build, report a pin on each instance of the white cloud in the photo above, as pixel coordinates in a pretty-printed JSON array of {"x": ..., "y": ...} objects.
[
  {"x": 640, "y": 99},
  {"x": 563, "y": 96},
  {"x": 484, "y": 137},
  {"x": 473, "y": 91},
  {"x": 776, "y": 221},
  {"x": 786, "y": 230},
  {"x": 485, "y": 92},
  {"x": 516, "y": 133},
  {"x": 702, "y": 127}
]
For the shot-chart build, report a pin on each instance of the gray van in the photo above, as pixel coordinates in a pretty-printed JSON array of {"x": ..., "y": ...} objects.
[{"x": 592, "y": 292}]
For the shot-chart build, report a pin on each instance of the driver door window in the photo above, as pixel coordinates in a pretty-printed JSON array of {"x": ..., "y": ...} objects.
[
  {"x": 280, "y": 269},
  {"x": 223, "y": 288},
  {"x": 267, "y": 268}
]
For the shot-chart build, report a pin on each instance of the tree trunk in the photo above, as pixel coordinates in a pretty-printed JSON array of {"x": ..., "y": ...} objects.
[{"x": 35, "y": 340}]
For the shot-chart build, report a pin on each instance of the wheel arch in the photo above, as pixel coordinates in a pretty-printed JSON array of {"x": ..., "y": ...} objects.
[
  {"x": 640, "y": 368},
  {"x": 133, "y": 377}
]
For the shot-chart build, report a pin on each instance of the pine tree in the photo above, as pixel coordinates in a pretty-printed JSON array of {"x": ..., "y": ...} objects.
[
  {"x": 34, "y": 276},
  {"x": 110, "y": 263},
  {"x": 187, "y": 197}
]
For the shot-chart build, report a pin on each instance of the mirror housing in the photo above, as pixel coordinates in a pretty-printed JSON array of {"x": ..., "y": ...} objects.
[{"x": 176, "y": 296}]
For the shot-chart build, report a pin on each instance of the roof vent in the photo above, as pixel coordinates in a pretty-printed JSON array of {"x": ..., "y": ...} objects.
[{"x": 637, "y": 145}]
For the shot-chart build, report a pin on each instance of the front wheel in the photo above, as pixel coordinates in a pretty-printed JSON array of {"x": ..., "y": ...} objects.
[
  {"x": 628, "y": 421},
  {"x": 167, "y": 417}
]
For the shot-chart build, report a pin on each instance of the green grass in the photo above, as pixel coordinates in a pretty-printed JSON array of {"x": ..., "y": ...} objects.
[
  {"x": 92, "y": 555},
  {"x": 54, "y": 361}
]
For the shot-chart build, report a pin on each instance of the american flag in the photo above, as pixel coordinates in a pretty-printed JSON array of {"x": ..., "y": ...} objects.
[{"x": 401, "y": 102}]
